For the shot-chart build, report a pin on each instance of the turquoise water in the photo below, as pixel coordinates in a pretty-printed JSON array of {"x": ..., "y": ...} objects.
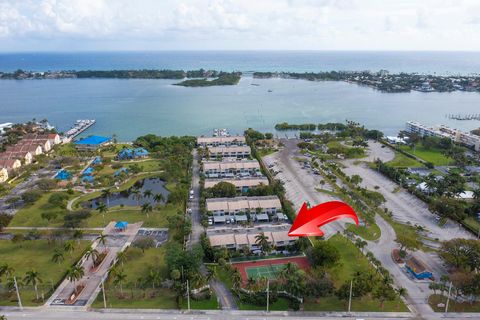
[{"x": 130, "y": 108}]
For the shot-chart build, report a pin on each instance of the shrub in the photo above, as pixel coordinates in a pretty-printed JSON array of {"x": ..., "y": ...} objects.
[{"x": 31, "y": 196}]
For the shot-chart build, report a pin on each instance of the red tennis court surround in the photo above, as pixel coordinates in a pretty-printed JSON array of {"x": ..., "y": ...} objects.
[{"x": 301, "y": 262}]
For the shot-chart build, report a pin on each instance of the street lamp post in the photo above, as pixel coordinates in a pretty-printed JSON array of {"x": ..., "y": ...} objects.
[
  {"x": 268, "y": 294},
  {"x": 18, "y": 293},
  {"x": 448, "y": 297},
  {"x": 350, "y": 297}
]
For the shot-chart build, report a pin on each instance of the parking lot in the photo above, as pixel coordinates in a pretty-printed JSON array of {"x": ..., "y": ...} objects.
[{"x": 159, "y": 235}]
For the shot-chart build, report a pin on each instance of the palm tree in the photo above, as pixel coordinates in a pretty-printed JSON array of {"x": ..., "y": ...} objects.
[
  {"x": 74, "y": 274},
  {"x": 158, "y": 198},
  {"x": 33, "y": 277},
  {"x": 262, "y": 241},
  {"x": 211, "y": 274},
  {"x": 401, "y": 292},
  {"x": 91, "y": 253},
  {"x": 360, "y": 244},
  {"x": 69, "y": 247},
  {"x": 146, "y": 208},
  {"x": 147, "y": 193},
  {"x": 121, "y": 257},
  {"x": 58, "y": 256},
  {"x": 136, "y": 195},
  {"x": 102, "y": 208},
  {"x": 78, "y": 234},
  {"x": 102, "y": 239},
  {"x": 120, "y": 277},
  {"x": 6, "y": 270},
  {"x": 288, "y": 271},
  {"x": 106, "y": 193},
  {"x": 236, "y": 280}
]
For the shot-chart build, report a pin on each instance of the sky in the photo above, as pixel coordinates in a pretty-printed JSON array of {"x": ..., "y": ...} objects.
[{"x": 103, "y": 25}]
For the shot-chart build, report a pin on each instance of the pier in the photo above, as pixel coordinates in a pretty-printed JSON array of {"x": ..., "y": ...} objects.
[
  {"x": 463, "y": 116},
  {"x": 79, "y": 127}
]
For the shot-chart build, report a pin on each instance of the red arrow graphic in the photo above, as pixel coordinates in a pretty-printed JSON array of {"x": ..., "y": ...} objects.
[{"x": 308, "y": 221}]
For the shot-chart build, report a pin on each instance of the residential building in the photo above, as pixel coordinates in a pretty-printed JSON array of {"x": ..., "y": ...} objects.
[
  {"x": 457, "y": 136},
  {"x": 44, "y": 143},
  {"x": 3, "y": 174},
  {"x": 7, "y": 166},
  {"x": 25, "y": 156},
  {"x": 229, "y": 152},
  {"x": 34, "y": 149},
  {"x": 231, "y": 169},
  {"x": 53, "y": 138},
  {"x": 242, "y": 185},
  {"x": 238, "y": 238},
  {"x": 221, "y": 141}
]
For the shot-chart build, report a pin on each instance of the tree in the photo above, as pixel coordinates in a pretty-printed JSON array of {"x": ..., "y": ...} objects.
[
  {"x": 77, "y": 235},
  {"x": 323, "y": 254},
  {"x": 158, "y": 198},
  {"x": 356, "y": 179},
  {"x": 6, "y": 270},
  {"x": 74, "y": 274},
  {"x": 147, "y": 193},
  {"x": 33, "y": 277},
  {"x": 102, "y": 208},
  {"x": 147, "y": 208},
  {"x": 136, "y": 195},
  {"x": 144, "y": 243},
  {"x": 102, "y": 239},
  {"x": 236, "y": 280},
  {"x": 262, "y": 241},
  {"x": 69, "y": 247},
  {"x": 106, "y": 193},
  {"x": 462, "y": 253},
  {"x": 360, "y": 244},
  {"x": 58, "y": 256},
  {"x": 223, "y": 190},
  {"x": 384, "y": 292},
  {"x": 5, "y": 220},
  {"x": 407, "y": 241},
  {"x": 91, "y": 253},
  {"x": 119, "y": 279}
]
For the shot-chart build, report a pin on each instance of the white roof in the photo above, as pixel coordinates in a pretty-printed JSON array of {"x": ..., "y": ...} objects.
[
  {"x": 243, "y": 203},
  {"x": 249, "y": 182},
  {"x": 220, "y": 140},
  {"x": 225, "y": 165}
]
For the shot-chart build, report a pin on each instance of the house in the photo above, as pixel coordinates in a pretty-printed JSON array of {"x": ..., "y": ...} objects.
[
  {"x": 229, "y": 152},
  {"x": 136, "y": 153},
  {"x": 242, "y": 185},
  {"x": 91, "y": 143},
  {"x": 3, "y": 174},
  {"x": 221, "y": 141},
  {"x": 34, "y": 149},
  {"x": 418, "y": 269},
  {"x": 239, "y": 238},
  {"x": 216, "y": 169},
  {"x": 44, "y": 143},
  {"x": 24, "y": 156},
  {"x": 10, "y": 164},
  {"x": 52, "y": 138},
  {"x": 236, "y": 209}
]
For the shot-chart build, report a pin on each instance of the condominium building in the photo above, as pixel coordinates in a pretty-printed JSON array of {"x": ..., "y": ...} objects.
[
  {"x": 457, "y": 136},
  {"x": 229, "y": 152},
  {"x": 242, "y": 185},
  {"x": 239, "y": 238},
  {"x": 221, "y": 141},
  {"x": 231, "y": 169}
]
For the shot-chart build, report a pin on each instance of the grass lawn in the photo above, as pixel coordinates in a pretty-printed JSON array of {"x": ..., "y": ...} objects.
[
  {"x": 31, "y": 215},
  {"x": 471, "y": 223},
  {"x": 156, "y": 218},
  {"x": 371, "y": 233},
  {"x": 432, "y": 155},
  {"x": 402, "y": 161},
  {"x": 280, "y": 305},
  {"x": 453, "y": 306},
  {"x": 352, "y": 261},
  {"x": 210, "y": 304},
  {"x": 37, "y": 254},
  {"x": 138, "y": 265}
]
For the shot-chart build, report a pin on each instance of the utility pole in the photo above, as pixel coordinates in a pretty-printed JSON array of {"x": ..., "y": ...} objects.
[
  {"x": 350, "y": 297},
  {"x": 188, "y": 296},
  {"x": 268, "y": 294},
  {"x": 18, "y": 293},
  {"x": 103, "y": 292},
  {"x": 448, "y": 297}
]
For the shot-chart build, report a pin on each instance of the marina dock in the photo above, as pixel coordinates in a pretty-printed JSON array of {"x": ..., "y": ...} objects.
[{"x": 79, "y": 127}]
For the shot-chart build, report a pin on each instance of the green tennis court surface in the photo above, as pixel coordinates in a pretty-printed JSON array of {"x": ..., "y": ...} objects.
[{"x": 269, "y": 271}]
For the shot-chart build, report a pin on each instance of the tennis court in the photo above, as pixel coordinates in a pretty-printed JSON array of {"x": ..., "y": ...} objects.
[
  {"x": 269, "y": 271},
  {"x": 267, "y": 268}
]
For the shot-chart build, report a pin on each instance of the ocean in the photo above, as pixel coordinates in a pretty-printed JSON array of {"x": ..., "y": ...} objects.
[{"x": 130, "y": 108}]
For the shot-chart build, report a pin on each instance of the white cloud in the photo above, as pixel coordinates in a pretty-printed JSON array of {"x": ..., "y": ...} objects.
[{"x": 241, "y": 24}]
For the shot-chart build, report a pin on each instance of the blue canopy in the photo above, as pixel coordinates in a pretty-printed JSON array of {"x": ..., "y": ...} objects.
[
  {"x": 62, "y": 175},
  {"x": 132, "y": 153},
  {"x": 93, "y": 140},
  {"x": 120, "y": 171},
  {"x": 88, "y": 171},
  {"x": 97, "y": 160},
  {"x": 121, "y": 225},
  {"x": 88, "y": 179}
]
